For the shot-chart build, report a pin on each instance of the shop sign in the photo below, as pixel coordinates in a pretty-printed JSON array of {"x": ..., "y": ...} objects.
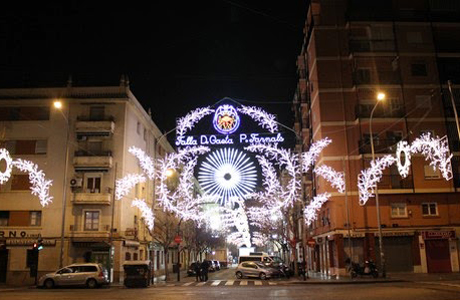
[
  {"x": 28, "y": 242},
  {"x": 438, "y": 235},
  {"x": 19, "y": 234},
  {"x": 397, "y": 233}
]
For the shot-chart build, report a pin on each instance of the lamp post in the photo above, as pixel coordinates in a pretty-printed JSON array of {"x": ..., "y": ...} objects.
[
  {"x": 380, "y": 97},
  {"x": 58, "y": 105}
]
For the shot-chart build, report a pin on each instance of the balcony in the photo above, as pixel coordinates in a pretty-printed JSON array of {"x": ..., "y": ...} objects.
[
  {"x": 92, "y": 198},
  {"x": 381, "y": 77},
  {"x": 395, "y": 182},
  {"x": 87, "y": 236},
  {"x": 94, "y": 127},
  {"x": 380, "y": 146},
  {"x": 85, "y": 161},
  {"x": 372, "y": 46},
  {"x": 364, "y": 111}
]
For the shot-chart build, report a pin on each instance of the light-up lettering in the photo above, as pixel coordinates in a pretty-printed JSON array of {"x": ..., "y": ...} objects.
[
  {"x": 243, "y": 138},
  {"x": 186, "y": 141},
  {"x": 214, "y": 140}
]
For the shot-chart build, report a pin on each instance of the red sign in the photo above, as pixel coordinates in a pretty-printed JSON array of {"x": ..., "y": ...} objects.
[
  {"x": 178, "y": 239},
  {"x": 311, "y": 243},
  {"x": 438, "y": 235}
]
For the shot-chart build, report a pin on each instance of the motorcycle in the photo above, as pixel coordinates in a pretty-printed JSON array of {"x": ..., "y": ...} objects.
[{"x": 369, "y": 268}]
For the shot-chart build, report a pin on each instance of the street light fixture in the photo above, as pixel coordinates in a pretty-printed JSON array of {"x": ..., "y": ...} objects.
[
  {"x": 380, "y": 98},
  {"x": 58, "y": 105}
]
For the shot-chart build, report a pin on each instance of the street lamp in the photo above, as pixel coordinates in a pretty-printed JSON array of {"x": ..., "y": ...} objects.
[
  {"x": 58, "y": 105},
  {"x": 380, "y": 98}
]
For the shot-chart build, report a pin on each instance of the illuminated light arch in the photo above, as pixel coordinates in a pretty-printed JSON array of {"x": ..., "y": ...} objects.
[
  {"x": 264, "y": 119},
  {"x": 188, "y": 121},
  {"x": 309, "y": 158},
  {"x": 368, "y": 179},
  {"x": 336, "y": 179},
  {"x": 5, "y": 175},
  {"x": 146, "y": 212},
  {"x": 228, "y": 173},
  {"x": 311, "y": 211},
  {"x": 145, "y": 161},
  {"x": 403, "y": 147},
  {"x": 125, "y": 184}
]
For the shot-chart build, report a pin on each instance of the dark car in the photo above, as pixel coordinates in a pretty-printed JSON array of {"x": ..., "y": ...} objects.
[{"x": 191, "y": 269}]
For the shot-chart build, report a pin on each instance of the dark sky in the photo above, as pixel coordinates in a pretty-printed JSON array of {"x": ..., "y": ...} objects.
[{"x": 178, "y": 55}]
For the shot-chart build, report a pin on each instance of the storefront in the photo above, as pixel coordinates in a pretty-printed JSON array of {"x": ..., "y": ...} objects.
[{"x": 439, "y": 247}]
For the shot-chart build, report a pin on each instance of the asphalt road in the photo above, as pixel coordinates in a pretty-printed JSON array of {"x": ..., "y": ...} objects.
[{"x": 399, "y": 291}]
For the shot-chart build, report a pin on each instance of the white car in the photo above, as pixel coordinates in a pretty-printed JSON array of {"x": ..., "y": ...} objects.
[
  {"x": 91, "y": 275},
  {"x": 255, "y": 269}
]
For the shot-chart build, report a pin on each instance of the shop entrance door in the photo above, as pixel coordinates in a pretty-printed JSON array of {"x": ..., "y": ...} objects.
[
  {"x": 3, "y": 264},
  {"x": 438, "y": 256}
]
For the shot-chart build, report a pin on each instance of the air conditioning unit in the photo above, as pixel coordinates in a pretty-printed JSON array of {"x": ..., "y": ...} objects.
[
  {"x": 81, "y": 138},
  {"x": 76, "y": 182}
]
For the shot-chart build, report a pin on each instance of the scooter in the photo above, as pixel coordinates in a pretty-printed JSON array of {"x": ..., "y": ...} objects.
[{"x": 369, "y": 268}]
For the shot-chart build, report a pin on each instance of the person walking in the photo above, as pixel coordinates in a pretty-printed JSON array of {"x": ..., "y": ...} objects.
[
  {"x": 197, "y": 269},
  {"x": 204, "y": 270}
]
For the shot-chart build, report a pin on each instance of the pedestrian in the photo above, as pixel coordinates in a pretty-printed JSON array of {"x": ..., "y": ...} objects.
[
  {"x": 197, "y": 270},
  {"x": 204, "y": 270}
]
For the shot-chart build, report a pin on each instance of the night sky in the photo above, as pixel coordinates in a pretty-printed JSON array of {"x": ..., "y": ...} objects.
[{"x": 177, "y": 56}]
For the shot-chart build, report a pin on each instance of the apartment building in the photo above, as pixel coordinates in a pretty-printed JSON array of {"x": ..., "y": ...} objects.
[
  {"x": 352, "y": 50},
  {"x": 96, "y": 126}
]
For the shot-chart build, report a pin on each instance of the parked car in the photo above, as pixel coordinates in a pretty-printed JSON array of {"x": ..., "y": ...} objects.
[
  {"x": 191, "y": 269},
  {"x": 255, "y": 269},
  {"x": 216, "y": 264},
  {"x": 91, "y": 275}
]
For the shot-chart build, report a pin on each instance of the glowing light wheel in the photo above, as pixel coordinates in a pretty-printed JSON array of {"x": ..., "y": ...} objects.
[
  {"x": 5, "y": 175},
  {"x": 228, "y": 173}
]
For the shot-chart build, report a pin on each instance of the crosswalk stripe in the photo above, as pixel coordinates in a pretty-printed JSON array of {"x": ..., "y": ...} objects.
[
  {"x": 271, "y": 283},
  {"x": 188, "y": 283},
  {"x": 243, "y": 282},
  {"x": 230, "y": 282},
  {"x": 216, "y": 282},
  {"x": 257, "y": 282},
  {"x": 201, "y": 283}
]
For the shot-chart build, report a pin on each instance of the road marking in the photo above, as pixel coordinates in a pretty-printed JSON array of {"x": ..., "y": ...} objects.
[
  {"x": 170, "y": 285},
  {"x": 271, "y": 283},
  {"x": 216, "y": 282},
  {"x": 257, "y": 282},
  {"x": 243, "y": 282},
  {"x": 188, "y": 283},
  {"x": 230, "y": 282},
  {"x": 201, "y": 283}
]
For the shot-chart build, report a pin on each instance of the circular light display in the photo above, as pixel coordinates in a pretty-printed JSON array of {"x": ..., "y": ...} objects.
[
  {"x": 403, "y": 147},
  {"x": 228, "y": 173},
  {"x": 226, "y": 119},
  {"x": 5, "y": 175}
]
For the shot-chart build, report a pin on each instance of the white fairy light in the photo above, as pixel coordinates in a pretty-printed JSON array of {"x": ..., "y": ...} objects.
[
  {"x": 146, "y": 211},
  {"x": 39, "y": 184},
  {"x": 311, "y": 210},
  {"x": 5, "y": 175},
  {"x": 145, "y": 161},
  {"x": 259, "y": 239},
  {"x": 125, "y": 184},
  {"x": 368, "y": 179},
  {"x": 403, "y": 147},
  {"x": 188, "y": 121},
  {"x": 228, "y": 173},
  {"x": 437, "y": 151},
  {"x": 285, "y": 158},
  {"x": 336, "y": 179},
  {"x": 265, "y": 119},
  {"x": 309, "y": 158}
]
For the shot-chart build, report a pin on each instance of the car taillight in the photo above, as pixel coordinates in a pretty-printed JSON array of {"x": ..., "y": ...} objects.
[{"x": 101, "y": 274}]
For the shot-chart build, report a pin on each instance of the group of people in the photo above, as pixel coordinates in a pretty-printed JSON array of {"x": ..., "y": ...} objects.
[{"x": 201, "y": 270}]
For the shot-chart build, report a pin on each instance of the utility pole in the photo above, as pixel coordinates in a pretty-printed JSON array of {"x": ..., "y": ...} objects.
[{"x": 111, "y": 224}]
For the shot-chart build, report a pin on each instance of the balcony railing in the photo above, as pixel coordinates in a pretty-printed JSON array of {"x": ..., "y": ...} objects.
[
  {"x": 372, "y": 45},
  {"x": 380, "y": 78},
  {"x": 364, "y": 111},
  {"x": 92, "y": 198},
  {"x": 92, "y": 161},
  {"x": 396, "y": 182},
  {"x": 92, "y": 153},
  {"x": 380, "y": 146},
  {"x": 95, "y": 119}
]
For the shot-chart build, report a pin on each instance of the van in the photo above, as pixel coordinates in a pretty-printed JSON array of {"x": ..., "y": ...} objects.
[{"x": 256, "y": 258}]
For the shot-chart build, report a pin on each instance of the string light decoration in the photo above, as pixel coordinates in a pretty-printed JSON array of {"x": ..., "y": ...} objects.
[
  {"x": 5, "y": 175},
  {"x": 188, "y": 121},
  {"x": 282, "y": 157},
  {"x": 403, "y": 147},
  {"x": 437, "y": 151},
  {"x": 145, "y": 161},
  {"x": 368, "y": 179},
  {"x": 259, "y": 239},
  {"x": 228, "y": 173},
  {"x": 146, "y": 211},
  {"x": 265, "y": 119},
  {"x": 309, "y": 158},
  {"x": 336, "y": 179},
  {"x": 125, "y": 184},
  {"x": 39, "y": 184},
  {"x": 310, "y": 211}
]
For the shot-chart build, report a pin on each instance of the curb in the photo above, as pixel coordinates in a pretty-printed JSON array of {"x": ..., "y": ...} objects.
[{"x": 348, "y": 282}]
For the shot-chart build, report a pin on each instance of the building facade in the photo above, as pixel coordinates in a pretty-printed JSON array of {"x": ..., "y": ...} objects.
[
  {"x": 408, "y": 50},
  {"x": 94, "y": 129}
]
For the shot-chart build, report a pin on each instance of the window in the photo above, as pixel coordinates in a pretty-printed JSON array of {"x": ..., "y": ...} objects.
[
  {"x": 27, "y": 113},
  {"x": 138, "y": 129},
  {"x": 20, "y": 182},
  {"x": 430, "y": 209},
  {"x": 26, "y": 147},
  {"x": 431, "y": 173},
  {"x": 96, "y": 113},
  {"x": 419, "y": 69},
  {"x": 95, "y": 148},
  {"x": 363, "y": 75},
  {"x": 92, "y": 220},
  {"x": 4, "y": 217},
  {"x": 93, "y": 183},
  {"x": 135, "y": 256},
  {"x": 423, "y": 101},
  {"x": 127, "y": 256},
  {"x": 398, "y": 210},
  {"x": 35, "y": 218},
  {"x": 414, "y": 37},
  {"x": 145, "y": 134}
]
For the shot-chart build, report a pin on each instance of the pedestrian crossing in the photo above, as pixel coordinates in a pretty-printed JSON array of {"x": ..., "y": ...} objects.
[{"x": 213, "y": 283}]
